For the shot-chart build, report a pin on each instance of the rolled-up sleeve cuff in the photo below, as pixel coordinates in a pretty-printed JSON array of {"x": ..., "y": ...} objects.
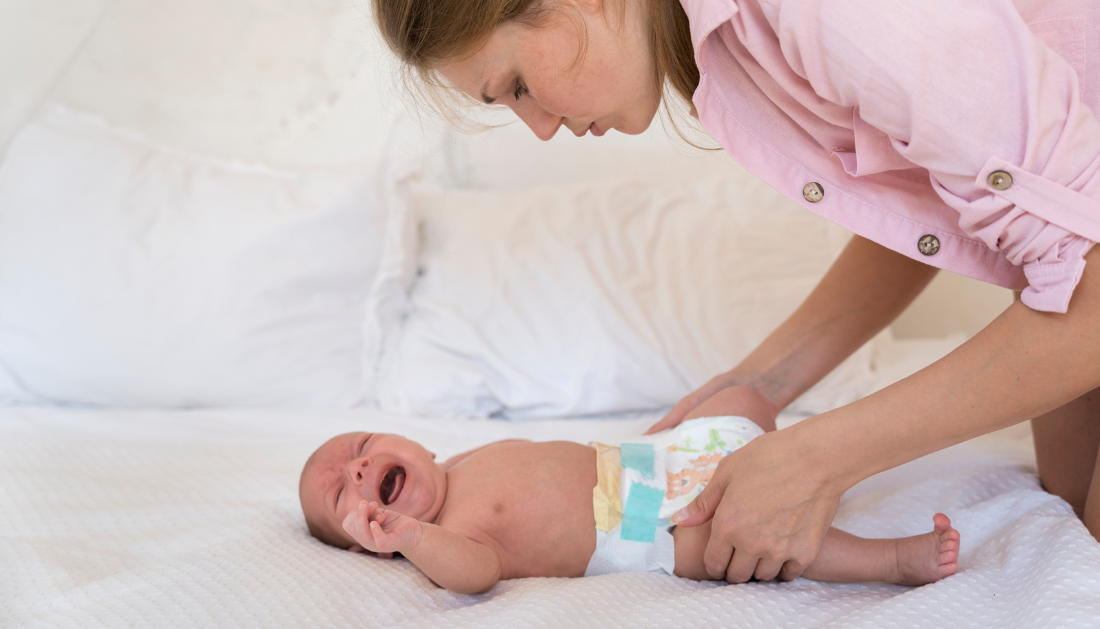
[{"x": 1051, "y": 282}]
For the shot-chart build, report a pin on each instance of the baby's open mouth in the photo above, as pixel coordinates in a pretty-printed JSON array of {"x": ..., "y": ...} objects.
[{"x": 391, "y": 485}]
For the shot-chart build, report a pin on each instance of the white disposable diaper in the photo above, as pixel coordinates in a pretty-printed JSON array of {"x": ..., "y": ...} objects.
[{"x": 642, "y": 482}]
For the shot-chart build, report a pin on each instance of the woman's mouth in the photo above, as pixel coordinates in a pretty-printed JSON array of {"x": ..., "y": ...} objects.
[
  {"x": 595, "y": 130},
  {"x": 391, "y": 485}
]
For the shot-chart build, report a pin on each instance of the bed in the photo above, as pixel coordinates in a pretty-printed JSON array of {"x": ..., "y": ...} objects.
[
  {"x": 123, "y": 518},
  {"x": 222, "y": 242}
]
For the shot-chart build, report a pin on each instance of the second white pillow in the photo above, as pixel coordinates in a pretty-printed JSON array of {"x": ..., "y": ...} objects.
[{"x": 601, "y": 299}]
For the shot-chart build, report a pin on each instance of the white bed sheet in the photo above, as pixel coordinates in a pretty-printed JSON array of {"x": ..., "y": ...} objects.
[{"x": 171, "y": 519}]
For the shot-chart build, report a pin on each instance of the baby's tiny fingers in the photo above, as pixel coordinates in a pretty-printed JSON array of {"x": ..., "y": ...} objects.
[{"x": 381, "y": 539}]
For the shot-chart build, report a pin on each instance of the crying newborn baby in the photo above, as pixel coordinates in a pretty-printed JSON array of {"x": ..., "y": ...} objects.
[{"x": 515, "y": 509}]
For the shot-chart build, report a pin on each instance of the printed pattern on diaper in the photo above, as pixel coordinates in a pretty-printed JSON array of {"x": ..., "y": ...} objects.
[
  {"x": 693, "y": 478},
  {"x": 657, "y": 475}
]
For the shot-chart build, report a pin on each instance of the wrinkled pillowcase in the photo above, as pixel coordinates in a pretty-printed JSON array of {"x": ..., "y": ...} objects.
[{"x": 601, "y": 299}]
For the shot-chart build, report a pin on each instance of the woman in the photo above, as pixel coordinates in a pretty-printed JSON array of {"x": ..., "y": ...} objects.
[{"x": 944, "y": 134}]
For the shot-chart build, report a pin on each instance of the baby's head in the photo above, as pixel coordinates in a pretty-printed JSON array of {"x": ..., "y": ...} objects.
[{"x": 388, "y": 469}]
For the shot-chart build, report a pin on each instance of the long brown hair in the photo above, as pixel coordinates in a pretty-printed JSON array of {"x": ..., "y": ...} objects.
[{"x": 425, "y": 34}]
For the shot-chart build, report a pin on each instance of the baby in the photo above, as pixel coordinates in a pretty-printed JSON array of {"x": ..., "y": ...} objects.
[{"x": 515, "y": 509}]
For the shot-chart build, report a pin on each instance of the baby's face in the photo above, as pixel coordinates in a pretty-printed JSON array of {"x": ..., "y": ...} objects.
[{"x": 383, "y": 468}]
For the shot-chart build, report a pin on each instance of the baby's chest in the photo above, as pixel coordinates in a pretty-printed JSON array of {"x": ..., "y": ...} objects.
[
  {"x": 524, "y": 497},
  {"x": 542, "y": 522}
]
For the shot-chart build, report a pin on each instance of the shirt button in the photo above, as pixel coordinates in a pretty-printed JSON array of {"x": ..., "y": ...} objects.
[
  {"x": 1000, "y": 180},
  {"x": 928, "y": 245},
  {"x": 813, "y": 192}
]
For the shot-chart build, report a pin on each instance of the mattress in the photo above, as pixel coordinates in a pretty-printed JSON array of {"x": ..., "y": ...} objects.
[{"x": 190, "y": 518}]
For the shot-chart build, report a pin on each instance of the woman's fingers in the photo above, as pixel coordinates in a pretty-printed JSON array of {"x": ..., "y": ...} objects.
[
  {"x": 767, "y": 570},
  {"x": 690, "y": 401},
  {"x": 791, "y": 570},
  {"x": 741, "y": 567},
  {"x": 770, "y": 511},
  {"x": 674, "y": 417},
  {"x": 702, "y": 509}
]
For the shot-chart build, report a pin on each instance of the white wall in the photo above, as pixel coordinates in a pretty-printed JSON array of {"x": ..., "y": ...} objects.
[{"x": 952, "y": 303}]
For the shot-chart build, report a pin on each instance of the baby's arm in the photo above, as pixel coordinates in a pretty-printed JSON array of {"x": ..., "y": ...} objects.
[{"x": 449, "y": 559}]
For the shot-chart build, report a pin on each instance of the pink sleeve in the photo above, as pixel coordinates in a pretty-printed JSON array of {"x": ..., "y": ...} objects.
[{"x": 966, "y": 90}]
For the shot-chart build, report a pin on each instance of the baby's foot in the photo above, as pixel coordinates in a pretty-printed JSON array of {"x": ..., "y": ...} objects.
[{"x": 930, "y": 557}]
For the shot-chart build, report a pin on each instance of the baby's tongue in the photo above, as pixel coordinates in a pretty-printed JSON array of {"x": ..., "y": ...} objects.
[{"x": 391, "y": 485}]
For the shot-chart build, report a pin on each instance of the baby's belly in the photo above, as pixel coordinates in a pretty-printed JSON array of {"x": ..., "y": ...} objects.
[{"x": 534, "y": 501}]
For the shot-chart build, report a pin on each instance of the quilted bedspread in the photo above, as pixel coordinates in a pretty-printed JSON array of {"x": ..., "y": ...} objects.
[{"x": 191, "y": 519}]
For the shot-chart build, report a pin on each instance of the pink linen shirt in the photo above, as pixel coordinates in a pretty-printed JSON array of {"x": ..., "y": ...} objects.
[{"x": 901, "y": 110}]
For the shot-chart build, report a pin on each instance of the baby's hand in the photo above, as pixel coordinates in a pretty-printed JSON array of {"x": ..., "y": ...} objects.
[{"x": 382, "y": 530}]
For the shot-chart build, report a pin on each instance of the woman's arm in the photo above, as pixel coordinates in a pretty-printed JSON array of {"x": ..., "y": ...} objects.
[
  {"x": 866, "y": 288},
  {"x": 770, "y": 521}
]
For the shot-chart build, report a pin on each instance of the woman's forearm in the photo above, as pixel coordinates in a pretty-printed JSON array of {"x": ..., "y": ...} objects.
[
  {"x": 866, "y": 288},
  {"x": 1022, "y": 365}
]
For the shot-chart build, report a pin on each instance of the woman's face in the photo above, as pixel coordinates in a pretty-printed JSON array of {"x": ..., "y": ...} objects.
[{"x": 537, "y": 73}]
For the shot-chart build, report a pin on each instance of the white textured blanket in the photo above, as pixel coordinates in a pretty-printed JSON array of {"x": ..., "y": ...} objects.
[{"x": 150, "y": 519}]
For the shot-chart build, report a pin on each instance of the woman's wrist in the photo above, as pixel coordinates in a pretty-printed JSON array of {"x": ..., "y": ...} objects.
[
  {"x": 823, "y": 443},
  {"x": 770, "y": 390}
]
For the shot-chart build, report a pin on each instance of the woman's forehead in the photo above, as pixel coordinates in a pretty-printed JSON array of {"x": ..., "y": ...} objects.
[{"x": 497, "y": 55}]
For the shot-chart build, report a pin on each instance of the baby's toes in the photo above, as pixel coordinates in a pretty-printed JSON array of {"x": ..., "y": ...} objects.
[
  {"x": 946, "y": 569},
  {"x": 948, "y": 556},
  {"x": 941, "y": 523}
]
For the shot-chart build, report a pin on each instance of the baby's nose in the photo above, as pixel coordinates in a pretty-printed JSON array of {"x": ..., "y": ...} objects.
[{"x": 356, "y": 467}]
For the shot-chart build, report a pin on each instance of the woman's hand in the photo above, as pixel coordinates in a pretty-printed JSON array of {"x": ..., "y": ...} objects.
[
  {"x": 748, "y": 403},
  {"x": 771, "y": 503},
  {"x": 680, "y": 412}
]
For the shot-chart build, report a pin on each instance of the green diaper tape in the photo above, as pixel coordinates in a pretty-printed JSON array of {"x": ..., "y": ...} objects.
[
  {"x": 638, "y": 456},
  {"x": 640, "y": 516}
]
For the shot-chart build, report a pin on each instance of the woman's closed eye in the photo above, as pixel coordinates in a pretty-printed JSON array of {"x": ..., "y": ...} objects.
[{"x": 520, "y": 90}]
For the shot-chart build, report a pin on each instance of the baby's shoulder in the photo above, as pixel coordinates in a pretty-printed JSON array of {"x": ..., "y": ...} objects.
[{"x": 458, "y": 458}]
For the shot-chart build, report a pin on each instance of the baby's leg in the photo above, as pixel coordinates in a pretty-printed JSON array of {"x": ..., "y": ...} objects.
[
  {"x": 846, "y": 558},
  {"x": 739, "y": 401}
]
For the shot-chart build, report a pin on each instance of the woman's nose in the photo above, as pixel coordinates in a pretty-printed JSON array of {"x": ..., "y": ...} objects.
[
  {"x": 542, "y": 122},
  {"x": 356, "y": 468}
]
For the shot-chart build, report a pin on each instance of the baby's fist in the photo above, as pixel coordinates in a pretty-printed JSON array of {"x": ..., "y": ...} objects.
[{"x": 381, "y": 530}]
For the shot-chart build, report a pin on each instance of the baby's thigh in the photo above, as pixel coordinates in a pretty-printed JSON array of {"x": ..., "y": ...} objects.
[{"x": 691, "y": 543}]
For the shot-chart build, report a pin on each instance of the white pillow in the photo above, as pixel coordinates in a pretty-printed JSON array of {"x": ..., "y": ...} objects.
[
  {"x": 132, "y": 274},
  {"x": 603, "y": 298}
]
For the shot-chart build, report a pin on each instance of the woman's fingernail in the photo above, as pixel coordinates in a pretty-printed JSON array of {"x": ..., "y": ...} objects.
[{"x": 678, "y": 517}]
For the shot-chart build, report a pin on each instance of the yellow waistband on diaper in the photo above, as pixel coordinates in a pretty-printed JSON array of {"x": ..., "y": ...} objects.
[{"x": 606, "y": 502}]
